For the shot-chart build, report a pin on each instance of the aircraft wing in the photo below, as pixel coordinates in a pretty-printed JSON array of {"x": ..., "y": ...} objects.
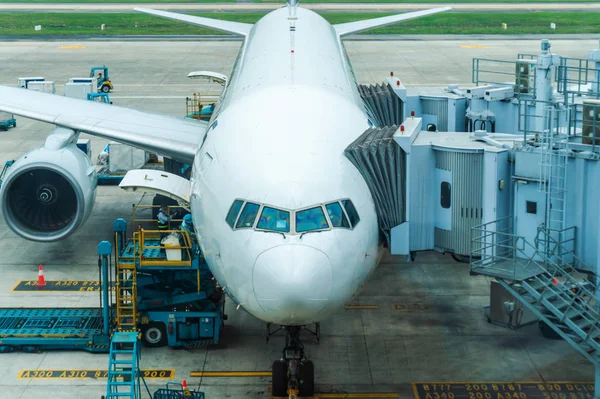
[
  {"x": 176, "y": 138},
  {"x": 359, "y": 26},
  {"x": 237, "y": 28}
]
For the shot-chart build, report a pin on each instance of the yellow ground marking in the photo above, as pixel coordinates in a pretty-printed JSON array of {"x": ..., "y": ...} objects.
[
  {"x": 472, "y": 46},
  {"x": 230, "y": 374},
  {"x": 70, "y": 47},
  {"x": 87, "y": 374}
]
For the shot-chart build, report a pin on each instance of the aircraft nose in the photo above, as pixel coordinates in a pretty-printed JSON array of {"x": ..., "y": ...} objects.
[{"x": 292, "y": 282}]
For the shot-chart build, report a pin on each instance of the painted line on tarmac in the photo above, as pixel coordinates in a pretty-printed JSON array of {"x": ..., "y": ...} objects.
[
  {"x": 230, "y": 374},
  {"x": 366, "y": 395},
  {"x": 59, "y": 286},
  {"x": 501, "y": 390},
  {"x": 87, "y": 374},
  {"x": 409, "y": 307}
]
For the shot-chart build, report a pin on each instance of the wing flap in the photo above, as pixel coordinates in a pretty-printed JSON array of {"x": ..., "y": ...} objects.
[
  {"x": 359, "y": 26},
  {"x": 177, "y": 138},
  {"x": 237, "y": 28}
]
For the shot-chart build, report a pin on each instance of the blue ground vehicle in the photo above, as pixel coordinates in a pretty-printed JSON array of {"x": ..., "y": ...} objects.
[
  {"x": 7, "y": 120},
  {"x": 104, "y": 83},
  {"x": 99, "y": 97}
]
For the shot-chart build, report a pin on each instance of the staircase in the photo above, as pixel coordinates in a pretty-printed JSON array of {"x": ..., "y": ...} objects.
[
  {"x": 553, "y": 289},
  {"x": 123, "y": 366}
]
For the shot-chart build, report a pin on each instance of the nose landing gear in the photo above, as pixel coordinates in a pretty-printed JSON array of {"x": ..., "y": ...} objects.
[{"x": 293, "y": 375}]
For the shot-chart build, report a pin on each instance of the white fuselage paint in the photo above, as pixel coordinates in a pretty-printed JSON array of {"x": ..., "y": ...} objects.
[{"x": 281, "y": 128}]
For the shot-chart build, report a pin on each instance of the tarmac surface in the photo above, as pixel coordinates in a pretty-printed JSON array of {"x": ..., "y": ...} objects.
[
  {"x": 340, "y": 7},
  {"x": 427, "y": 323}
]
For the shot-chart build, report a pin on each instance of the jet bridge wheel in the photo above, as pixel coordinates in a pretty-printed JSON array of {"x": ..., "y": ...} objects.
[
  {"x": 279, "y": 379},
  {"x": 105, "y": 88}
]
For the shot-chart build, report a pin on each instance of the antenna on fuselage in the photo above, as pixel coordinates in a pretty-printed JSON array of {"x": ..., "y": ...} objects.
[{"x": 292, "y": 6}]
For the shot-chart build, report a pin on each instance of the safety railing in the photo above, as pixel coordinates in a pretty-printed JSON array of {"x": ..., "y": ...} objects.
[
  {"x": 141, "y": 216},
  {"x": 181, "y": 251},
  {"x": 577, "y": 77},
  {"x": 520, "y": 74},
  {"x": 195, "y": 104}
]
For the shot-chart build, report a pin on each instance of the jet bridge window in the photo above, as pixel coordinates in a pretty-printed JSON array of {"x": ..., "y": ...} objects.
[
  {"x": 351, "y": 212},
  {"x": 310, "y": 220},
  {"x": 248, "y": 216},
  {"x": 234, "y": 212},
  {"x": 274, "y": 220},
  {"x": 445, "y": 195},
  {"x": 336, "y": 215}
]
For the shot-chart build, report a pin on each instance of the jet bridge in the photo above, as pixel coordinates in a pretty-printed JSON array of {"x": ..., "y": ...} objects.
[{"x": 382, "y": 164}]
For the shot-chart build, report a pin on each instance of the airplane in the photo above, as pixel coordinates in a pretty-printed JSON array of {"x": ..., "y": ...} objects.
[{"x": 285, "y": 221}]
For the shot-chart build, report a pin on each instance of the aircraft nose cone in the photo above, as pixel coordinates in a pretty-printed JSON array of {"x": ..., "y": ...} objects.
[{"x": 292, "y": 283}]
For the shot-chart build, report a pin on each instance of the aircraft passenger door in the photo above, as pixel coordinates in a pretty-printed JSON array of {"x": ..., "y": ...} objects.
[{"x": 530, "y": 211}]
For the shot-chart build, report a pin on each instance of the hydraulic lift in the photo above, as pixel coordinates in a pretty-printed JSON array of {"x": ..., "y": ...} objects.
[{"x": 165, "y": 291}]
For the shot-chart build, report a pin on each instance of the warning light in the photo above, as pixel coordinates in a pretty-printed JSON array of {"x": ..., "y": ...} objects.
[
  {"x": 292, "y": 51},
  {"x": 412, "y": 114},
  {"x": 398, "y": 83},
  {"x": 402, "y": 129},
  {"x": 391, "y": 74}
]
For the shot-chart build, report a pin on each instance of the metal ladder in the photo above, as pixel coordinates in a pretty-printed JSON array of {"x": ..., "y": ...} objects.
[
  {"x": 553, "y": 170},
  {"x": 124, "y": 366},
  {"x": 126, "y": 297}
]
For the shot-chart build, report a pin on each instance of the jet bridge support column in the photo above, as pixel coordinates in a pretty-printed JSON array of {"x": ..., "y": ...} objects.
[{"x": 543, "y": 84}]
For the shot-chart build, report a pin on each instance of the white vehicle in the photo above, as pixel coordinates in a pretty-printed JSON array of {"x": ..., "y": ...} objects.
[{"x": 286, "y": 222}]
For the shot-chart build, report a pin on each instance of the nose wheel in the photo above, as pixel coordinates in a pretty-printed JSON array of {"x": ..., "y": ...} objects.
[{"x": 293, "y": 375}]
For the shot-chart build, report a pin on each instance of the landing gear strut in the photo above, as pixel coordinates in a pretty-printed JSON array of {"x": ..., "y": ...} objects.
[{"x": 293, "y": 374}]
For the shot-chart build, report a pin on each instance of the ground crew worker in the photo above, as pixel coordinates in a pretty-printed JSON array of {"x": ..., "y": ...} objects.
[
  {"x": 163, "y": 221},
  {"x": 188, "y": 225}
]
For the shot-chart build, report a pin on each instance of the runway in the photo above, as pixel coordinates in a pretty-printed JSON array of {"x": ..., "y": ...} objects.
[{"x": 265, "y": 7}]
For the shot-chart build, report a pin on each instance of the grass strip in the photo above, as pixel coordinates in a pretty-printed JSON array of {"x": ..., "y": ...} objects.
[{"x": 444, "y": 23}]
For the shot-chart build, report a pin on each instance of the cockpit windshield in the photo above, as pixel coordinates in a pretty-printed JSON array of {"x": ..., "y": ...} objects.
[
  {"x": 274, "y": 219},
  {"x": 311, "y": 219},
  {"x": 335, "y": 214}
]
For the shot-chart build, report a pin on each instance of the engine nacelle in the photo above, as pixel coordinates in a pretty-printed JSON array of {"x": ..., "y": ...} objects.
[{"x": 49, "y": 193}]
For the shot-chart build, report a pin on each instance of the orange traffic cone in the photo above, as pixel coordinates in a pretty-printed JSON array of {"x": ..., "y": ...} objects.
[
  {"x": 184, "y": 387},
  {"x": 41, "y": 282}
]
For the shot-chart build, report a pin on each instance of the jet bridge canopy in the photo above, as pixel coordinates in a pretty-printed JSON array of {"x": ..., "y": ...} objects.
[{"x": 382, "y": 164}]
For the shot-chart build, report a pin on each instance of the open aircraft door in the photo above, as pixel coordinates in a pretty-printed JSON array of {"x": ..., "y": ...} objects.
[
  {"x": 210, "y": 76},
  {"x": 159, "y": 182}
]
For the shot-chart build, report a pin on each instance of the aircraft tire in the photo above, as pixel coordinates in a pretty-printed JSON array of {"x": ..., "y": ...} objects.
[
  {"x": 279, "y": 379},
  {"x": 306, "y": 375}
]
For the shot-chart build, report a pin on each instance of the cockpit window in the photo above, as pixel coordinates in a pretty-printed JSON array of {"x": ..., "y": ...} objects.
[
  {"x": 311, "y": 219},
  {"x": 248, "y": 216},
  {"x": 274, "y": 220},
  {"x": 351, "y": 211},
  {"x": 233, "y": 212},
  {"x": 337, "y": 216}
]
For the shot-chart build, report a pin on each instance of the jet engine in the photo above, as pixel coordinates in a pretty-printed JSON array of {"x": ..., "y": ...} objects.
[{"x": 49, "y": 192}]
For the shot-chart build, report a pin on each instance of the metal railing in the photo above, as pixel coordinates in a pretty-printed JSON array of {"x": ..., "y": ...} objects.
[
  {"x": 184, "y": 245},
  {"x": 500, "y": 72},
  {"x": 577, "y": 77},
  {"x": 140, "y": 217}
]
